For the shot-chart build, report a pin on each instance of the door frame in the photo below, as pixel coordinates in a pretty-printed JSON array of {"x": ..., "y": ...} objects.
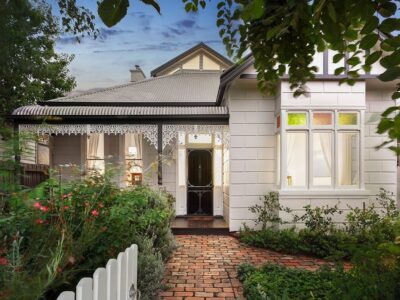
[{"x": 211, "y": 151}]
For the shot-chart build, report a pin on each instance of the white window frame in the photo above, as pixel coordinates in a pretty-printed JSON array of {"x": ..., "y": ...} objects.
[{"x": 334, "y": 129}]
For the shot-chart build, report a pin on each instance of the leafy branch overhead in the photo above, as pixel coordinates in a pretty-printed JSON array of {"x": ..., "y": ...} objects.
[{"x": 284, "y": 36}]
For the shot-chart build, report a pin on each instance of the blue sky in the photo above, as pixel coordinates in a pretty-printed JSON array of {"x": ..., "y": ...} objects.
[{"x": 143, "y": 37}]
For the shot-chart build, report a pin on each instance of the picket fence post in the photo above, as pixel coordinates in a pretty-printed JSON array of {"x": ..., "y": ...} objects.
[{"x": 117, "y": 281}]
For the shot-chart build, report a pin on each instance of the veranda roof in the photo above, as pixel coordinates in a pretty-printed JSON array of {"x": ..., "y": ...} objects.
[{"x": 65, "y": 111}]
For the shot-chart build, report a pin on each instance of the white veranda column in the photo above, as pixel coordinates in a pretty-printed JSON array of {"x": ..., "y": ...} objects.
[{"x": 181, "y": 167}]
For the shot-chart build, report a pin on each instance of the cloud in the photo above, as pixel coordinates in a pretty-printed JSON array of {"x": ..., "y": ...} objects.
[
  {"x": 181, "y": 27},
  {"x": 143, "y": 19},
  {"x": 105, "y": 33},
  {"x": 187, "y": 23}
]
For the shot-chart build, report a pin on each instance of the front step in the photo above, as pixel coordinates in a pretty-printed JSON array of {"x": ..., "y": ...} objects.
[{"x": 200, "y": 225}]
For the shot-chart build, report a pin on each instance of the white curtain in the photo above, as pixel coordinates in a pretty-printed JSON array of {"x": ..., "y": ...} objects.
[
  {"x": 96, "y": 146},
  {"x": 348, "y": 158},
  {"x": 322, "y": 158},
  {"x": 296, "y": 158},
  {"x": 133, "y": 152}
]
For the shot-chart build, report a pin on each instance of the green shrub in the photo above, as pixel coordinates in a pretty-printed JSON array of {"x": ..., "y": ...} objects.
[
  {"x": 53, "y": 235},
  {"x": 321, "y": 237},
  {"x": 278, "y": 282}
]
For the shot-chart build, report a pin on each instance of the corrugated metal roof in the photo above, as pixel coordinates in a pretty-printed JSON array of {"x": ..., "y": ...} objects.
[
  {"x": 38, "y": 110},
  {"x": 182, "y": 87}
]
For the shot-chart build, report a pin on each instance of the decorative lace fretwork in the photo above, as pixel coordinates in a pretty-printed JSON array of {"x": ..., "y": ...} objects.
[
  {"x": 170, "y": 132},
  {"x": 149, "y": 131}
]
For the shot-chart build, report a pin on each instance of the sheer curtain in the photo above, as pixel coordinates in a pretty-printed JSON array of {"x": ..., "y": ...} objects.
[
  {"x": 348, "y": 158},
  {"x": 133, "y": 152},
  {"x": 296, "y": 158},
  {"x": 322, "y": 156},
  {"x": 95, "y": 152}
]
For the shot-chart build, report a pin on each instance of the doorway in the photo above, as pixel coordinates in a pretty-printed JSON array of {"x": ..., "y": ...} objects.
[{"x": 200, "y": 182}]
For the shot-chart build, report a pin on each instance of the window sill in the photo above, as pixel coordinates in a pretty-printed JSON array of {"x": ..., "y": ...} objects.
[{"x": 332, "y": 193}]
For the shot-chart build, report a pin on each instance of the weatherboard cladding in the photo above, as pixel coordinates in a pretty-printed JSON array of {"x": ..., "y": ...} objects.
[
  {"x": 183, "y": 87},
  {"x": 38, "y": 110}
]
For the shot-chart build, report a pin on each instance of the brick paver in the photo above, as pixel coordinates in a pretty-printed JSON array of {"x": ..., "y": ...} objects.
[{"x": 204, "y": 267}]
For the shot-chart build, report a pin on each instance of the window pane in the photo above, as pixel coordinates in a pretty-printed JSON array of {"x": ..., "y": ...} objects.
[
  {"x": 322, "y": 119},
  {"x": 322, "y": 158},
  {"x": 297, "y": 119},
  {"x": 296, "y": 159},
  {"x": 348, "y": 119},
  {"x": 348, "y": 160},
  {"x": 200, "y": 138},
  {"x": 43, "y": 154},
  {"x": 95, "y": 146}
]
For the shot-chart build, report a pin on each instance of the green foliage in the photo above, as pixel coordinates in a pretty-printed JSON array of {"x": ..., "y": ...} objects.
[
  {"x": 30, "y": 69},
  {"x": 268, "y": 213},
  {"x": 56, "y": 233},
  {"x": 318, "y": 219},
  {"x": 278, "y": 282},
  {"x": 321, "y": 237}
]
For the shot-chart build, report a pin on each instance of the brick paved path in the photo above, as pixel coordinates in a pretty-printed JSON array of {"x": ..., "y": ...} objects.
[{"x": 204, "y": 267}]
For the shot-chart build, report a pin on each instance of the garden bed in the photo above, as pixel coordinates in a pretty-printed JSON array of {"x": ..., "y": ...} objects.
[{"x": 55, "y": 234}]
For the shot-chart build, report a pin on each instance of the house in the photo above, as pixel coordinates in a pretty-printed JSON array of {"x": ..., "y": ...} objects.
[{"x": 201, "y": 129}]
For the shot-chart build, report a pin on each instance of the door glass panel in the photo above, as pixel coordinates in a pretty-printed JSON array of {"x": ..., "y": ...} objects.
[
  {"x": 200, "y": 138},
  {"x": 199, "y": 168}
]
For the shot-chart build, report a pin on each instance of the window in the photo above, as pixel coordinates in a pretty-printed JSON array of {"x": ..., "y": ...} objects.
[
  {"x": 95, "y": 152},
  {"x": 133, "y": 159},
  {"x": 318, "y": 149}
]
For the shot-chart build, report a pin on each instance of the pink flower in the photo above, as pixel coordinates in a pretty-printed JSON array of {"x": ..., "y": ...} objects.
[
  {"x": 39, "y": 221},
  {"x": 71, "y": 260},
  {"x": 3, "y": 261},
  {"x": 37, "y": 205},
  {"x": 95, "y": 212},
  {"x": 44, "y": 208},
  {"x": 66, "y": 207}
]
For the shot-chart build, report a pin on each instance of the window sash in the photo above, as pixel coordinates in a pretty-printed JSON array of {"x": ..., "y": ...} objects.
[{"x": 334, "y": 129}]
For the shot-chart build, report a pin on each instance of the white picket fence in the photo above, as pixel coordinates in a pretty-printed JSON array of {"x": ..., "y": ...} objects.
[{"x": 117, "y": 281}]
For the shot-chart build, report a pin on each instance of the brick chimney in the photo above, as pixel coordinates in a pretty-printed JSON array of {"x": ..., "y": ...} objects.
[{"x": 137, "y": 74}]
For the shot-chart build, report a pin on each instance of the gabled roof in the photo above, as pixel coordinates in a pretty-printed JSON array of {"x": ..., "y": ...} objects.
[
  {"x": 182, "y": 88},
  {"x": 200, "y": 46}
]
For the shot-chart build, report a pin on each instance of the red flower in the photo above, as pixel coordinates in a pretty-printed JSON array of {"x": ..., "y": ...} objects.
[
  {"x": 95, "y": 212},
  {"x": 37, "y": 205},
  {"x": 44, "y": 208},
  {"x": 66, "y": 207},
  {"x": 39, "y": 221},
  {"x": 3, "y": 261}
]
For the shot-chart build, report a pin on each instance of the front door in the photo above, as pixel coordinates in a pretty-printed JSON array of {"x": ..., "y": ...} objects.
[{"x": 199, "y": 185}]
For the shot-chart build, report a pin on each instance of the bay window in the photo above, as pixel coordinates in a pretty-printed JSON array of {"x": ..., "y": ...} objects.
[{"x": 318, "y": 149}]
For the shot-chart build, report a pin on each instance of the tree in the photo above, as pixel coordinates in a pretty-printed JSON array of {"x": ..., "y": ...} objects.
[
  {"x": 30, "y": 69},
  {"x": 284, "y": 35}
]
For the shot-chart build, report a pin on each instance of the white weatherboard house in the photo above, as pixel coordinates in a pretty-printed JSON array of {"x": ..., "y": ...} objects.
[{"x": 201, "y": 129}]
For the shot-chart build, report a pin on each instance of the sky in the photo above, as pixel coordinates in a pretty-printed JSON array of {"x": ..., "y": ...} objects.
[{"x": 142, "y": 38}]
